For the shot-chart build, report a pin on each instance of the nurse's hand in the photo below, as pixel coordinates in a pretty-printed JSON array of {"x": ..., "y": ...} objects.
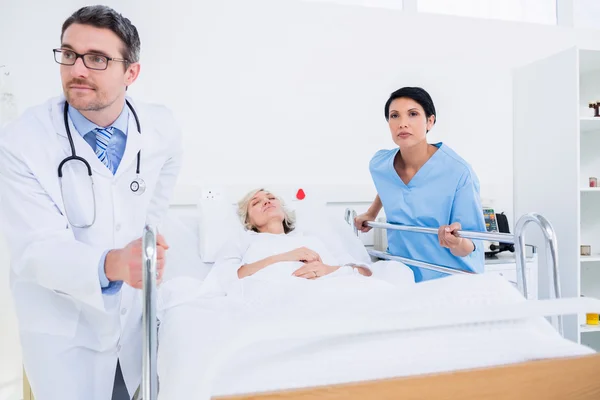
[
  {"x": 460, "y": 247},
  {"x": 314, "y": 270},
  {"x": 447, "y": 236},
  {"x": 126, "y": 264},
  {"x": 361, "y": 219}
]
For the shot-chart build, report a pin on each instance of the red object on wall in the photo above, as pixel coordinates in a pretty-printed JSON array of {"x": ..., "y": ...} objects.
[{"x": 300, "y": 195}]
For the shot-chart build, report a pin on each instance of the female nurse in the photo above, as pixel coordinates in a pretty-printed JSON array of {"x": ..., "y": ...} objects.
[{"x": 427, "y": 185}]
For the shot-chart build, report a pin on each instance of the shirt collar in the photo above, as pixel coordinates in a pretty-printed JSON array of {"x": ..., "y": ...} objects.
[{"x": 85, "y": 126}]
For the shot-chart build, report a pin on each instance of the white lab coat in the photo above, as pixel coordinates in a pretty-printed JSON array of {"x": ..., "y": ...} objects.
[{"x": 71, "y": 333}]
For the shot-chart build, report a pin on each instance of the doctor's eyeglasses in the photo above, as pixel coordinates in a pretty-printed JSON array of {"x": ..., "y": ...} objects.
[{"x": 90, "y": 60}]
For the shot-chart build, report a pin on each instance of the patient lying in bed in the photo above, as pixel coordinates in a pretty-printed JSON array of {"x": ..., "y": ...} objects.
[
  {"x": 288, "y": 309},
  {"x": 271, "y": 255}
]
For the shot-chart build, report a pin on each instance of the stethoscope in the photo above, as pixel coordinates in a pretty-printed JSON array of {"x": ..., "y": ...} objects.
[{"x": 137, "y": 186}]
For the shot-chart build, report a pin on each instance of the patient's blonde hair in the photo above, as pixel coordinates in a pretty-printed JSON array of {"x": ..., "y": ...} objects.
[{"x": 289, "y": 219}]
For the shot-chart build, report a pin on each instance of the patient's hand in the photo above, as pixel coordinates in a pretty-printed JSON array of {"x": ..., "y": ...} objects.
[
  {"x": 313, "y": 270},
  {"x": 300, "y": 254}
]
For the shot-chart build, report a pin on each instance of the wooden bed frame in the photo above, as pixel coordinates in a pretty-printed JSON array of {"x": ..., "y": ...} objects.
[
  {"x": 576, "y": 378},
  {"x": 27, "y": 393}
]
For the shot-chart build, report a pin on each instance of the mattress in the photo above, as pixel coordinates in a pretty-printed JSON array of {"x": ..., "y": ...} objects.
[{"x": 350, "y": 329}]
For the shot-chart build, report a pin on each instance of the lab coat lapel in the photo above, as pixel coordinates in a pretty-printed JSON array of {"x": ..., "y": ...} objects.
[
  {"x": 132, "y": 147},
  {"x": 82, "y": 148}
]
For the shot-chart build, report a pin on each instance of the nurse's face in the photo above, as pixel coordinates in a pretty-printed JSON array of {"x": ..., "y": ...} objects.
[
  {"x": 95, "y": 90},
  {"x": 408, "y": 122},
  {"x": 264, "y": 208}
]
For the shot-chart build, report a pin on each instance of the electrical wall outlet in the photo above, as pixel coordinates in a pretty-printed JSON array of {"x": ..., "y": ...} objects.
[{"x": 211, "y": 194}]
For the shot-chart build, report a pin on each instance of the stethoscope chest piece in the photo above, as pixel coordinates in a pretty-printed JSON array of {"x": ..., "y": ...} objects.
[{"x": 138, "y": 186}]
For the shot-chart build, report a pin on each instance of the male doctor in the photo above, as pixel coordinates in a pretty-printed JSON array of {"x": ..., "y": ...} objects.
[{"x": 76, "y": 247}]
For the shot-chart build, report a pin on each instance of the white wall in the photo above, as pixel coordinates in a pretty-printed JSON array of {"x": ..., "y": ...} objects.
[
  {"x": 289, "y": 91},
  {"x": 280, "y": 91}
]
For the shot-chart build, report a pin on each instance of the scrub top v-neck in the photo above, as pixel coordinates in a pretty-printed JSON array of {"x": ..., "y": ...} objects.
[{"x": 444, "y": 190}]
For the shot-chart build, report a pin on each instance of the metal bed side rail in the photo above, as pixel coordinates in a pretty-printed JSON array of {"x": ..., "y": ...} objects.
[
  {"x": 150, "y": 343},
  {"x": 420, "y": 264},
  {"x": 491, "y": 236},
  {"x": 518, "y": 239},
  {"x": 551, "y": 248}
]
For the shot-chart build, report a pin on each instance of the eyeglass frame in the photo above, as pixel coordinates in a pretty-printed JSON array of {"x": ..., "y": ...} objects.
[{"x": 77, "y": 55}]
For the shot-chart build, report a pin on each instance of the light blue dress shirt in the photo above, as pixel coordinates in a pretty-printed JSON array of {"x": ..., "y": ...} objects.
[
  {"x": 115, "y": 151},
  {"x": 443, "y": 191}
]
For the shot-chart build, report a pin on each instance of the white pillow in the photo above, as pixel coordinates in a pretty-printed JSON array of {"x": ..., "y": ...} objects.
[
  {"x": 182, "y": 257},
  {"x": 218, "y": 223}
]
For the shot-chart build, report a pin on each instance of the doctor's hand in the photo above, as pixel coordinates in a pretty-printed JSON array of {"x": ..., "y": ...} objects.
[
  {"x": 126, "y": 264},
  {"x": 314, "y": 270},
  {"x": 361, "y": 219},
  {"x": 303, "y": 254}
]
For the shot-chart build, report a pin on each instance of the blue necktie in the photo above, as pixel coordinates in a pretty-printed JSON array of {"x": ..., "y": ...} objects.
[{"x": 103, "y": 136}]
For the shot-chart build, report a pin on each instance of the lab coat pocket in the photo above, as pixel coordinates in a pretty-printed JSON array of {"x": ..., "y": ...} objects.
[{"x": 42, "y": 310}]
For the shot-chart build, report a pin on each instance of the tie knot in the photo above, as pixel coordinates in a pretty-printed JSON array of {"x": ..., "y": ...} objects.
[
  {"x": 103, "y": 136},
  {"x": 107, "y": 132}
]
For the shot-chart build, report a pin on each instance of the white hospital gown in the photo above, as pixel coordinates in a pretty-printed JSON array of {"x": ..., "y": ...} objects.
[{"x": 276, "y": 280}]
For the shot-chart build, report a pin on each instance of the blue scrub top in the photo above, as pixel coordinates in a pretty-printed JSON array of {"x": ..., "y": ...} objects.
[{"x": 443, "y": 191}]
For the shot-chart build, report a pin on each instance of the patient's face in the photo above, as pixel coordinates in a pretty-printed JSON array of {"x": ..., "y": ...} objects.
[
  {"x": 264, "y": 208},
  {"x": 408, "y": 122}
]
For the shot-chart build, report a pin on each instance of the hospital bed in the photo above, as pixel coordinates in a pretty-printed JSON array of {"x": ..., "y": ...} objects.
[{"x": 554, "y": 378}]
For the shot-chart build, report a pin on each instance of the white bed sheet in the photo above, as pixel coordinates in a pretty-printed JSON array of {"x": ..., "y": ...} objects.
[{"x": 194, "y": 360}]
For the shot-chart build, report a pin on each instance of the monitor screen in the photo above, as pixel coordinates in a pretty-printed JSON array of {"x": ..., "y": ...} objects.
[{"x": 489, "y": 217}]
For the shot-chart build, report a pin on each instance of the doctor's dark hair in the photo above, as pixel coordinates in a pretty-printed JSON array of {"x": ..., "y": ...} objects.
[
  {"x": 415, "y": 93},
  {"x": 106, "y": 17}
]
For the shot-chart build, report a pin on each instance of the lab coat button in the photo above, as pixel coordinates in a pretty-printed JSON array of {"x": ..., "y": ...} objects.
[
  {"x": 118, "y": 227},
  {"x": 123, "y": 311},
  {"x": 119, "y": 348}
]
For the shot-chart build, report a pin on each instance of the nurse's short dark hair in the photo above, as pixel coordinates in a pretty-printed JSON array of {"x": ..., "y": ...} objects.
[
  {"x": 415, "y": 93},
  {"x": 105, "y": 17}
]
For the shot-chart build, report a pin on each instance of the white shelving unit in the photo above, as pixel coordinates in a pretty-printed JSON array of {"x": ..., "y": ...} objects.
[
  {"x": 590, "y": 328},
  {"x": 589, "y": 124},
  {"x": 586, "y": 259},
  {"x": 556, "y": 151}
]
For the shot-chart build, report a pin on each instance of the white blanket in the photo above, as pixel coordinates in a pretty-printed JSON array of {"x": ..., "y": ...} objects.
[{"x": 281, "y": 336}]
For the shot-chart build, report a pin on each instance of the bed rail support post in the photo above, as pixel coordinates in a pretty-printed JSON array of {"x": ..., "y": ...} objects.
[
  {"x": 150, "y": 343},
  {"x": 551, "y": 252},
  {"x": 349, "y": 216}
]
